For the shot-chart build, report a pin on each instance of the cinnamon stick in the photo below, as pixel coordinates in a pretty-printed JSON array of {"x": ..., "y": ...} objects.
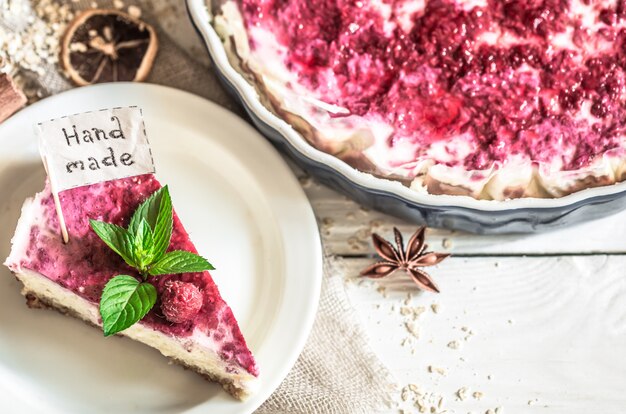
[{"x": 11, "y": 97}]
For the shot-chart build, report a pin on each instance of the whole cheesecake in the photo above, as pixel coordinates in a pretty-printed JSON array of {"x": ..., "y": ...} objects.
[{"x": 493, "y": 99}]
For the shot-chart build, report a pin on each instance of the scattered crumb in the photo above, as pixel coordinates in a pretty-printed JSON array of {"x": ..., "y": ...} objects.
[
  {"x": 412, "y": 328},
  {"x": 363, "y": 234},
  {"x": 477, "y": 395},
  {"x": 437, "y": 370},
  {"x": 404, "y": 395},
  {"x": 454, "y": 345},
  {"x": 413, "y": 312},
  {"x": 461, "y": 393},
  {"x": 374, "y": 224},
  {"x": 118, "y": 4},
  {"x": 409, "y": 297},
  {"x": 382, "y": 290},
  {"x": 511, "y": 321},
  {"x": 446, "y": 243},
  {"x": 356, "y": 244},
  {"x": 435, "y": 307},
  {"x": 424, "y": 401}
]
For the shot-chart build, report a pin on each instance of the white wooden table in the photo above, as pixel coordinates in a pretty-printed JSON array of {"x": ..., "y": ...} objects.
[
  {"x": 531, "y": 323},
  {"x": 523, "y": 324}
]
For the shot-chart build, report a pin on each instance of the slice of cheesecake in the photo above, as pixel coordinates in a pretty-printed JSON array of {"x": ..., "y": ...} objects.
[{"x": 190, "y": 323}]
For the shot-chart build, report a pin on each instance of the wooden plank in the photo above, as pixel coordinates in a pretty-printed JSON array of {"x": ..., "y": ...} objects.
[
  {"x": 532, "y": 334},
  {"x": 346, "y": 229}
]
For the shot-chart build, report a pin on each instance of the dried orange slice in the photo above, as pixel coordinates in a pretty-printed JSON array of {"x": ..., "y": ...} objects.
[{"x": 102, "y": 45}]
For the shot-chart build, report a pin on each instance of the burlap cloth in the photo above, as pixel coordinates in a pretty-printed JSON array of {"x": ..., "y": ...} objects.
[{"x": 337, "y": 371}]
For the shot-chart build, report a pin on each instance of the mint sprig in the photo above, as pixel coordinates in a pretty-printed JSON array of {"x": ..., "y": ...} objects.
[
  {"x": 117, "y": 238},
  {"x": 179, "y": 261},
  {"x": 124, "y": 301},
  {"x": 143, "y": 245}
]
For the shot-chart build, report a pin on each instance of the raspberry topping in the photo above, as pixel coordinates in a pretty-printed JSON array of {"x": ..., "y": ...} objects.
[
  {"x": 542, "y": 78},
  {"x": 180, "y": 301}
]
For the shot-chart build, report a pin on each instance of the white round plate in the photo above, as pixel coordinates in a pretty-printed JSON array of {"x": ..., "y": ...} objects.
[{"x": 244, "y": 210}]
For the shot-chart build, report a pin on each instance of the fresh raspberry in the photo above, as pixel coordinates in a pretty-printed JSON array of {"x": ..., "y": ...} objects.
[{"x": 180, "y": 301}]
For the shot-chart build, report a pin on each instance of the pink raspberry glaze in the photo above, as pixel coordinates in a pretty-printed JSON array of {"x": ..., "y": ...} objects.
[
  {"x": 542, "y": 78},
  {"x": 85, "y": 264}
]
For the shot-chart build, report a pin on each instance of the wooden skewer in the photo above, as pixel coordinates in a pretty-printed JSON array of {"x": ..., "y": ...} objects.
[{"x": 57, "y": 205}]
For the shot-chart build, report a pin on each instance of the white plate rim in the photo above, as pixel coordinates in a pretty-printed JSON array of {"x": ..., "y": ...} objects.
[{"x": 310, "y": 275}]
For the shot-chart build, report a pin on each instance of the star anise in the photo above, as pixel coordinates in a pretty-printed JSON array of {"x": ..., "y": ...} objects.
[{"x": 408, "y": 260}]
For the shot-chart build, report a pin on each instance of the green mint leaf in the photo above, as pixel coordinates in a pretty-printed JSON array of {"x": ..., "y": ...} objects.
[
  {"x": 162, "y": 229},
  {"x": 117, "y": 238},
  {"x": 124, "y": 302},
  {"x": 148, "y": 210},
  {"x": 143, "y": 246},
  {"x": 179, "y": 261}
]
